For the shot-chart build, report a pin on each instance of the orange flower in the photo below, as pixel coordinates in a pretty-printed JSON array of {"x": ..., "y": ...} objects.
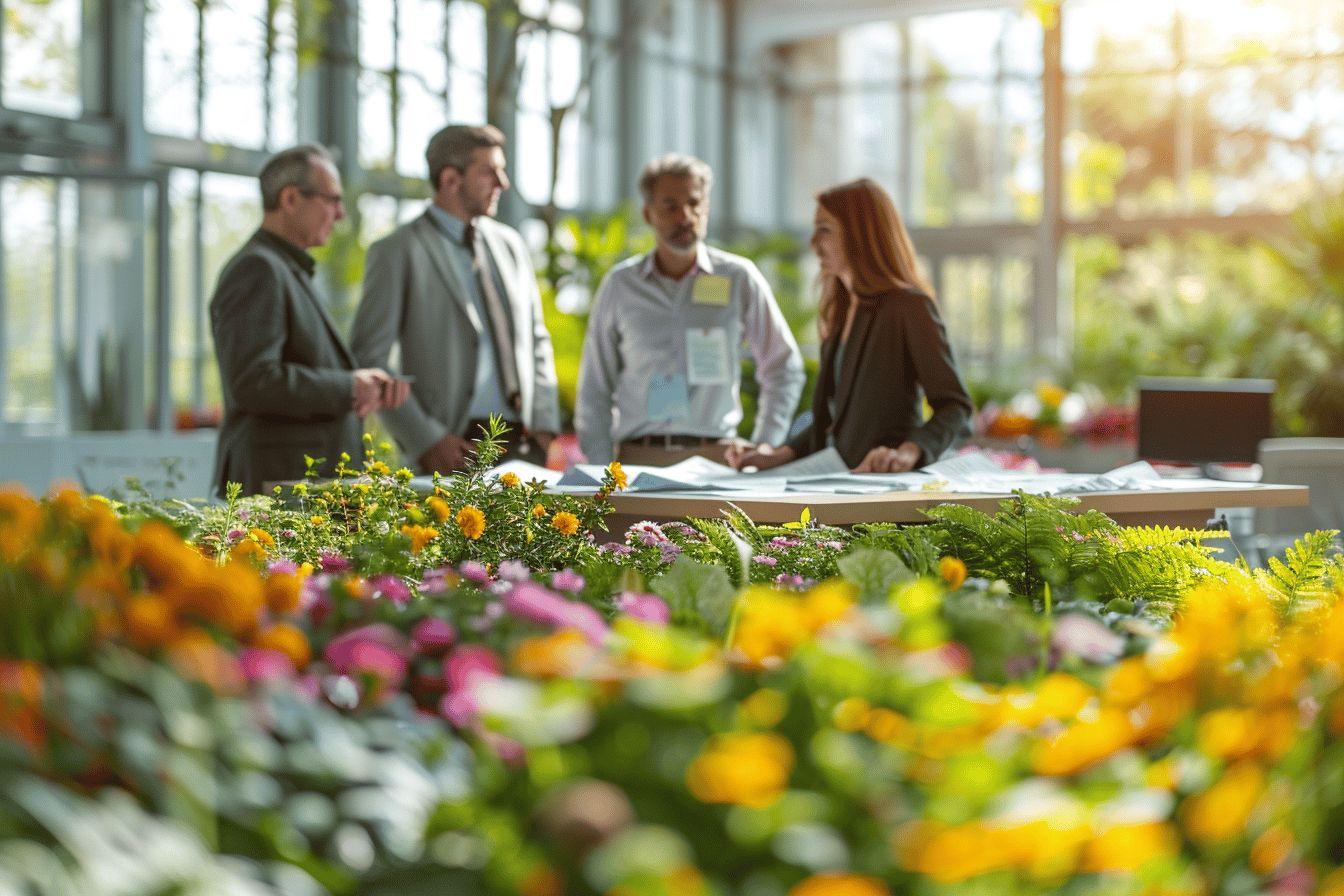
[
  {"x": 538, "y": 511},
  {"x": 196, "y": 656},
  {"x": 618, "y": 475},
  {"x": 419, "y": 536},
  {"x": 149, "y": 621},
  {"x": 1129, "y": 847},
  {"x": 439, "y": 508},
  {"x": 287, "y": 639},
  {"x": 471, "y": 521},
  {"x": 561, "y": 654},
  {"x": 953, "y": 571},
  {"x": 840, "y": 885},
  {"x": 262, "y": 537},
  {"x": 565, "y": 523},
  {"x": 741, "y": 769},
  {"x": 247, "y": 551},
  {"x": 510, "y": 480},
  {"x": 283, "y": 590}
]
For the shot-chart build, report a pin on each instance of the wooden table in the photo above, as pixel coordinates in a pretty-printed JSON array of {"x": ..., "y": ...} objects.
[{"x": 1189, "y": 508}]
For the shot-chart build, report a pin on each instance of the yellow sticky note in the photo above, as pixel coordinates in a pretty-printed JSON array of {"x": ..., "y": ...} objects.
[{"x": 711, "y": 289}]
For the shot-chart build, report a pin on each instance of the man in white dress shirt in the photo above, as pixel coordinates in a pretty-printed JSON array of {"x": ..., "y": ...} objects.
[{"x": 659, "y": 378}]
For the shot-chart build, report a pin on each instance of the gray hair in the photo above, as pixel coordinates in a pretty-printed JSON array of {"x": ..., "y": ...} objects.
[
  {"x": 291, "y": 167},
  {"x": 674, "y": 164},
  {"x": 452, "y": 147}
]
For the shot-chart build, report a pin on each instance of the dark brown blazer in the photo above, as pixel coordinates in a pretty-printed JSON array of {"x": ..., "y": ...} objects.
[
  {"x": 286, "y": 373},
  {"x": 897, "y": 347}
]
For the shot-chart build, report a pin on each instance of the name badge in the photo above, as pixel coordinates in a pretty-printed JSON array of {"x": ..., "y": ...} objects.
[
  {"x": 669, "y": 399},
  {"x": 711, "y": 289},
  {"x": 707, "y": 357}
]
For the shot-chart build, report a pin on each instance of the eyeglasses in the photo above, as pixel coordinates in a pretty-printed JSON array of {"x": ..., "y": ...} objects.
[{"x": 333, "y": 198}]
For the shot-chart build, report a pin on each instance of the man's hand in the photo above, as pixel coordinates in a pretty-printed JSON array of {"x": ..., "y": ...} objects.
[
  {"x": 447, "y": 455},
  {"x": 377, "y": 390},
  {"x": 762, "y": 457},
  {"x": 890, "y": 460}
]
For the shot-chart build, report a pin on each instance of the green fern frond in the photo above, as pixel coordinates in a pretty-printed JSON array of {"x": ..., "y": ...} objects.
[
  {"x": 1302, "y": 575},
  {"x": 717, "y": 533}
]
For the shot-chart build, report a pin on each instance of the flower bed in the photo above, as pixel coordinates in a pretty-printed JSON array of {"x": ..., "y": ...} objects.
[{"x": 368, "y": 691}]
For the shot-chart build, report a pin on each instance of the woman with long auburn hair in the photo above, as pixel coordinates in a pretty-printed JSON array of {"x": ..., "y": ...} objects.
[{"x": 883, "y": 346}]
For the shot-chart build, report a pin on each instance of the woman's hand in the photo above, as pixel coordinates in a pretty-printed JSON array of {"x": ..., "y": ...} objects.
[
  {"x": 762, "y": 457},
  {"x": 890, "y": 460}
]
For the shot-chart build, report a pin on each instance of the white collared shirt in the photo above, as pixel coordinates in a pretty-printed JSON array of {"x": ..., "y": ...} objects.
[{"x": 638, "y": 334}]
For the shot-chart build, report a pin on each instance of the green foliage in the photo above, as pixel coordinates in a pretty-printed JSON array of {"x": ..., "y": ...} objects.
[
  {"x": 874, "y": 572},
  {"x": 1305, "y": 573},
  {"x": 1034, "y": 542},
  {"x": 700, "y": 595},
  {"x": 918, "y": 546}
]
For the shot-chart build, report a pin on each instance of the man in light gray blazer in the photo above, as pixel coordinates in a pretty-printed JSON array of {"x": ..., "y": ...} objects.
[
  {"x": 291, "y": 386},
  {"x": 455, "y": 291}
]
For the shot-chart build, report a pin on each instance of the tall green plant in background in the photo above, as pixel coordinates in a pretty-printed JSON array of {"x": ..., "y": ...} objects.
[{"x": 1311, "y": 336}]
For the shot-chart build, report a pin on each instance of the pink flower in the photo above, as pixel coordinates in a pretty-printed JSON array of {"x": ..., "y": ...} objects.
[
  {"x": 469, "y": 662},
  {"x": 235, "y": 535},
  {"x": 567, "y": 580},
  {"x": 393, "y": 588},
  {"x": 764, "y": 560},
  {"x": 265, "y": 665},
  {"x": 330, "y": 561},
  {"x": 282, "y": 567},
  {"x": 474, "y": 572},
  {"x": 375, "y": 651},
  {"x": 432, "y": 636},
  {"x": 644, "y": 607},
  {"x": 529, "y": 600},
  {"x": 465, "y": 666}
]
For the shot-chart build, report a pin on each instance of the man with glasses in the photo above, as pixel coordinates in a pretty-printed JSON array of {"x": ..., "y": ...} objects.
[
  {"x": 291, "y": 385},
  {"x": 455, "y": 291}
]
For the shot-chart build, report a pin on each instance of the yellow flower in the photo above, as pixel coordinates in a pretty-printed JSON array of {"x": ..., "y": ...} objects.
[
  {"x": 471, "y": 521},
  {"x": 247, "y": 550},
  {"x": 618, "y": 475},
  {"x": 840, "y": 885},
  {"x": 439, "y": 508},
  {"x": 317, "y": 520},
  {"x": 419, "y": 536},
  {"x": 1084, "y": 744},
  {"x": 1128, "y": 847},
  {"x": 510, "y": 480},
  {"x": 953, "y": 572},
  {"x": 262, "y": 537},
  {"x": 1051, "y": 395},
  {"x": 741, "y": 769},
  {"x": 378, "y": 468},
  {"x": 538, "y": 511},
  {"x": 565, "y": 523},
  {"x": 1221, "y": 812}
]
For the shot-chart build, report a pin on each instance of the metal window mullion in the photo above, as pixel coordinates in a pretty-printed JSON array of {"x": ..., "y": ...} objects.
[
  {"x": 394, "y": 83},
  {"x": 200, "y": 71},
  {"x": 199, "y": 352},
  {"x": 268, "y": 68},
  {"x": 58, "y": 374},
  {"x": 906, "y": 129}
]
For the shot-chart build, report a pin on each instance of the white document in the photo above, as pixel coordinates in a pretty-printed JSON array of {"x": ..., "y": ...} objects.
[
  {"x": 826, "y": 462},
  {"x": 707, "y": 357},
  {"x": 962, "y": 466}
]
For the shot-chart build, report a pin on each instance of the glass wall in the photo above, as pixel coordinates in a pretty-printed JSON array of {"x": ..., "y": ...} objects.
[{"x": 1175, "y": 117}]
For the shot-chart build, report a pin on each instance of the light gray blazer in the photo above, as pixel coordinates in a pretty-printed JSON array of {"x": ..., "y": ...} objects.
[{"x": 414, "y": 298}]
